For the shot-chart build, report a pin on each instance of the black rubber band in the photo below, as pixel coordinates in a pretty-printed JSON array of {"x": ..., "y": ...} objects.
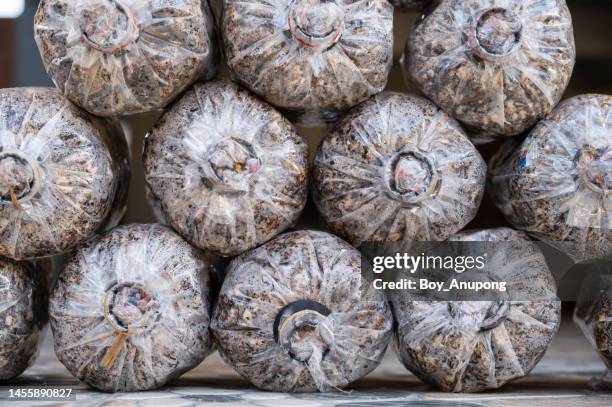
[{"x": 298, "y": 306}]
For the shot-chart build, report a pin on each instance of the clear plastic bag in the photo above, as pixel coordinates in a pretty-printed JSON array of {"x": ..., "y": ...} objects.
[
  {"x": 470, "y": 346},
  {"x": 131, "y": 309},
  {"x": 226, "y": 169},
  {"x": 403, "y": 159},
  {"x": 312, "y": 58},
  {"x": 63, "y": 174},
  {"x": 593, "y": 314},
  {"x": 556, "y": 184},
  {"x": 498, "y": 66},
  {"x": 295, "y": 315},
  {"x": 23, "y": 312},
  {"x": 118, "y": 57}
]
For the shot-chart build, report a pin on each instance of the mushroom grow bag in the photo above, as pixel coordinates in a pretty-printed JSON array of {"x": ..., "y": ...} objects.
[
  {"x": 131, "y": 309},
  {"x": 403, "y": 159},
  {"x": 471, "y": 346},
  {"x": 119, "y": 57},
  {"x": 63, "y": 174},
  {"x": 295, "y": 315},
  {"x": 225, "y": 169},
  {"x": 23, "y": 312},
  {"x": 556, "y": 184},
  {"x": 498, "y": 66},
  {"x": 311, "y": 58}
]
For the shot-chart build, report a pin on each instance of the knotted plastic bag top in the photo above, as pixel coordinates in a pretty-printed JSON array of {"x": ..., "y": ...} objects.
[
  {"x": 63, "y": 174},
  {"x": 130, "y": 311},
  {"x": 295, "y": 315},
  {"x": 498, "y": 66},
  {"x": 118, "y": 57},
  {"x": 403, "y": 159}
]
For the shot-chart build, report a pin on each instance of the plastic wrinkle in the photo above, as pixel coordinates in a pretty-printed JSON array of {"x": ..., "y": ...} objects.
[
  {"x": 498, "y": 66},
  {"x": 403, "y": 159},
  {"x": 313, "y": 350},
  {"x": 120, "y": 57},
  {"x": 457, "y": 347},
  {"x": 63, "y": 174},
  {"x": 557, "y": 184},
  {"x": 227, "y": 171},
  {"x": 311, "y": 58},
  {"x": 22, "y": 316},
  {"x": 131, "y": 309}
]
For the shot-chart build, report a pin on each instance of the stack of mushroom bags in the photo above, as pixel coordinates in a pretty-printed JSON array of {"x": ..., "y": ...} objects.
[{"x": 228, "y": 176}]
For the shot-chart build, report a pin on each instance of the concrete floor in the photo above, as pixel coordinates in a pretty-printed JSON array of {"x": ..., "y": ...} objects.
[{"x": 561, "y": 379}]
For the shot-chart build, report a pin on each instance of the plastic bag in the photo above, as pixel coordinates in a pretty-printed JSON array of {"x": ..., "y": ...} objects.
[
  {"x": 403, "y": 159},
  {"x": 227, "y": 170},
  {"x": 118, "y": 57},
  {"x": 470, "y": 346},
  {"x": 498, "y": 66},
  {"x": 556, "y": 184},
  {"x": 23, "y": 312},
  {"x": 131, "y": 309},
  {"x": 593, "y": 314},
  {"x": 312, "y": 58},
  {"x": 410, "y": 4},
  {"x": 295, "y": 315},
  {"x": 63, "y": 174}
]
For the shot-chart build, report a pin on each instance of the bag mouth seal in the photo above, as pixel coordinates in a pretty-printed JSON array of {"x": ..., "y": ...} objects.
[
  {"x": 592, "y": 165},
  {"x": 494, "y": 34},
  {"x": 300, "y": 327},
  {"x": 316, "y": 24},
  {"x": 108, "y": 26},
  {"x": 229, "y": 164},
  {"x": 129, "y": 306},
  {"x": 410, "y": 176},
  {"x": 482, "y": 315},
  {"x": 20, "y": 178}
]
